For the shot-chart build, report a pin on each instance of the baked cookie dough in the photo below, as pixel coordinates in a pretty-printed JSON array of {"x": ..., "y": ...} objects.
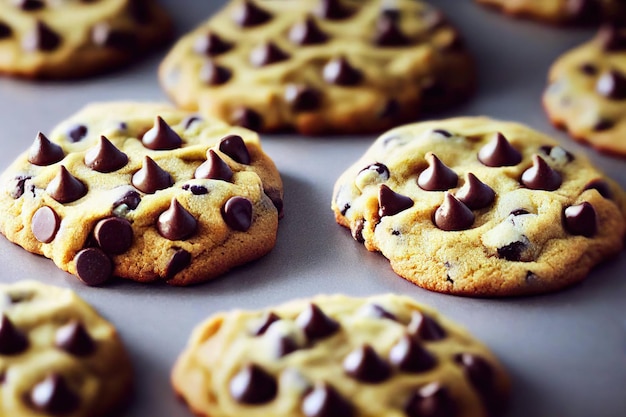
[
  {"x": 77, "y": 38},
  {"x": 58, "y": 357},
  {"x": 479, "y": 207},
  {"x": 586, "y": 93},
  {"x": 319, "y": 66},
  {"x": 145, "y": 192},
  {"x": 338, "y": 356}
]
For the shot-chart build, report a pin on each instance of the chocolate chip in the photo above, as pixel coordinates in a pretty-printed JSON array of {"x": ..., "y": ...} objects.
[
  {"x": 453, "y": 215},
  {"x": 43, "y": 152},
  {"x": 391, "y": 203},
  {"x": 277, "y": 200},
  {"x": 5, "y": 30},
  {"x": 106, "y": 36},
  {"x": 77, "y": 133},
  {"x": 512, "y": 251},
  {"x": 66, "y": 188},
  {"x": 601, "y": 187},
  {"x": 248, "y": 118},
  {"x": 131, "y": 200},
  {"x": 409, "y": 356},
  {"x": 333, "y": 10},
  {"x": 481, "y": 375},
  {"x": 588, "y": 69},
  {"x": 541, "y": 176},
  {"x": 268, "y": 318},
  {"x": 324, "y": 401},
  {"x": 41, "y": 38},
  {"x": 74, "y": 339},
  {"x": 45, "y": 224},
  {"x": 340, "y": 72},
  {"x": 179, "y": 261},
  {"x": 20, "y": 185},
  {"x": 190, "y": 120},
  {"x": 105, "y": 157},
  {"x": 114, "y": 235},
  {"x": 611, "y": 38},
  {"x": 381, "y": 170},
  {"x": 211, "y": 44},
  {"x": 176, "y": 223},
  {"x": 583, "y": 11},
  {"x": 432, "y": 400},
  {"x": 266, "y": 54},
  {"x": 235, "y": 147},
  {"x": 520, "y": 212},
  {"x": 315, "y": 323},
  {"x": 253, "y": 385},
  {"x": 285, "y": 346},
  {"x": 214, "y": 168},
  {"x": 213, "y": 74},
  {"x": 196, "y": 189},
  {"x": 379, "y": 312},
  {"x": 357, "y": 231},
  {"x": 12, "y": 340},
  {"x": 475, "y": 194},
  {"x": 307, "y": 32},
  {"x": 30, "y": 5},
  {"x": 249, "y": 14},
  {"x": 437, "y": 177},
  {"x": 499, "y": 153},
  {"x": 389, "y": 34},
  {"x": 603, "y": 124},
  {"x": 302, "y": 98},
  {"x": 54, "y": 396},
  {"x": 151, "y": 177},
  {"x": 161, "y": 136},
  {"x": 93, "y": 266},
  {"x": 612, "y": 85},
  {"x": 580, "y": 219},
  {"x": 425, "y": 327},
  {"x": 237, "y": 213},
  {"x": 365, "y": 365}
]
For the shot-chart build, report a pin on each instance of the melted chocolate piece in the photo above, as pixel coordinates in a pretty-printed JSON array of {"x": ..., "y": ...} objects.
[
  {"x": 41, "y": 38},
  {"x": 302, "y": 98},
  {"x": 340, "y": 72},
  {"x": 601, "y": 187},
  {"x": 65, "y": 188},
  {"x": 19, "y": 187},
  {"x": 389, "y": 34},
  {"x": 603, "y": 124},
  {"x": 391, "y": 203},
  {"x": 357, "y": 232},
  {"x": 541, "y": 176},
  {"x": 106, "y": 36},
  {"x": 211, "y": 44},
  {"x": 409, "y": 356},
  {"x": 611, "y": 38},
  {"x": 512, "y": 251},
  {"x": 77, "y": 133},
  {"x": 214, "y": 168},
  {"x": 43, "y": 152},
  {"x": 266, "y": 54},
  {"x": 235, "y": 147},
  {"x": 151, "y": 177},
  {"x": 307, "y": 32},
  {"x": 131, "y": 200},
  {"x": 316, "y": 324},
  {"x": 114, "y": 235},
  {"x": 237, "y": 213},
  {"x": 475, "y": 194},
  {"x": 30, "y": 5},
  {"x": 581, "y": 220},
  {"x": 381, "y": 170},
  {"x": 432, "y": 400},
  {"x": 437, "y": 177},
  {"x": 365, "y": 365},
  {"x": 179, "y": 261},
  {"x": 453, "y": 215},
  {"x": 333, "y": 10},
  {"x": 176, "y": 223},
  {"x": 74, "y": 339},
  {"x": 12, "y": 340},
  {"x": 213, "y": 74},
  {"x": 612, "y": 85},
  {"x": 45, "y": 224},
  {"x": 53, "y": 396},
  {"x": 248, "y": 118},
  {"x": 266, "y": 321},
  {"x": 105, "y": 157},
  {"x": 93, "y": 266},
  {"x": 161, "y": 136},
  {"x": 249, "y": 14},
  {"x": 499, "y": 153},
  {"x": 252, "y": 385},
  {"x": 324, "y": 401},
  {"x": 5, "y": 31},
  {"x": 425, "y": 327}
]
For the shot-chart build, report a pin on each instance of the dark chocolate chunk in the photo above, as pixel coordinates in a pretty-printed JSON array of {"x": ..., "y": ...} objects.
[
  {"x": 66, "y": 188},
  {"x": 391, "y": 203},
  {"x": 151, "y": 177},
  {"x": 93, "y": 266},
  {"x": 324, "y": 401},
  {"x": 248, "y": 118},
  {"x": 409, "y": 356},
  {"x": 131, "y": 200},
  {"x": 365, "y": 365},
  {"x": 106, "y": 36},
  {"x": 235, "y": 147},
  {"x": 499, "y": 153},
  {"x": 307, "y": 32},
  {"x": 214, "y": 168},
  {"x": 588, "y": 69},
  {"x": 114, "y": 235},
  {"x": 333, "y": 10},
  {"x": 475, "y": 194},
  {"x": 43, "y": 152},
  {"x": 601, "y": 187},
  {"x": 315, "y": 323},
  {"x": 5, "y": 30},
  {"x": 302, "y": 98},
  {"x": 580, "y": 219},
  {"x": 389, "y": 34},
  {"x": 74, "y": 339},
  {"x": 30, "y": 5},
  {"x": 179, "y": 261},
  {"x": 45, "y": 224},
  {"x": 437, "y": 177},
  {"x": 432, "y": 400},
  {"x": 237, "y": 213},
  {"x": 211, "y": 44},
  {"x": 54, "y": 396},
  {"x": 541, "y": 176},
  {"x": 268, "y": 318},
  {"x": 249, "y": 14},
  {"x": 105, "y": 157},
  {"x": 161, "y": 136},
  {"x": 253, "y": 385},
  {"x": 12, "y": 340},
  {"x": 603, "y": 124},
  {"x": 453, "y": 215},
  {"x": 266, "y": 54},
  {"x": 77, "y": 133},
  {"x": 611, "y": 38},
  {"x": 381, "y": 170},
  {"x": 19, "y": 187},
  {"x": 425, "y": 327},
  {"x": 512, "y": 251},
  {"x": 340, "y": 72},
  {"x": 41, "y": 38},
  {"x": 612, "y": 85},
  {"x": 213, "y": 74},
  {"x": 176, "y": 223}
]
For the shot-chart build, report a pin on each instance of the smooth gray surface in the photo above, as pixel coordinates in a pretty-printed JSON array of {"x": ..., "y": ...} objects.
[{"x": 566, "y": 351}]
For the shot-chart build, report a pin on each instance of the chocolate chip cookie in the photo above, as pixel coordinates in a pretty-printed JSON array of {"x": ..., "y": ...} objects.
[
  {"x": 77, "y": 38},
  {"x": 338, "y": 356},
  {"x": 144, "y": 192},
  {"x": 58, "y": 357},
  {"x": 479, "y": 207},
  {"x": 319, "y": 66},
  {"x": 586, "y": 93}
]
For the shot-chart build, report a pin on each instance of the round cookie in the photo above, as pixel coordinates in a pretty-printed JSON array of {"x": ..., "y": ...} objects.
[
  {"x": 586, "y": 93},
  {"x": 338, "y": 356},
  {"x": 479, "y": 207},
  {"x": 77, "y": 38},
  {"x": 319, "y": 66},
  {"x": 144, "y": 192},
  {"x": 58, "y": 356}
]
